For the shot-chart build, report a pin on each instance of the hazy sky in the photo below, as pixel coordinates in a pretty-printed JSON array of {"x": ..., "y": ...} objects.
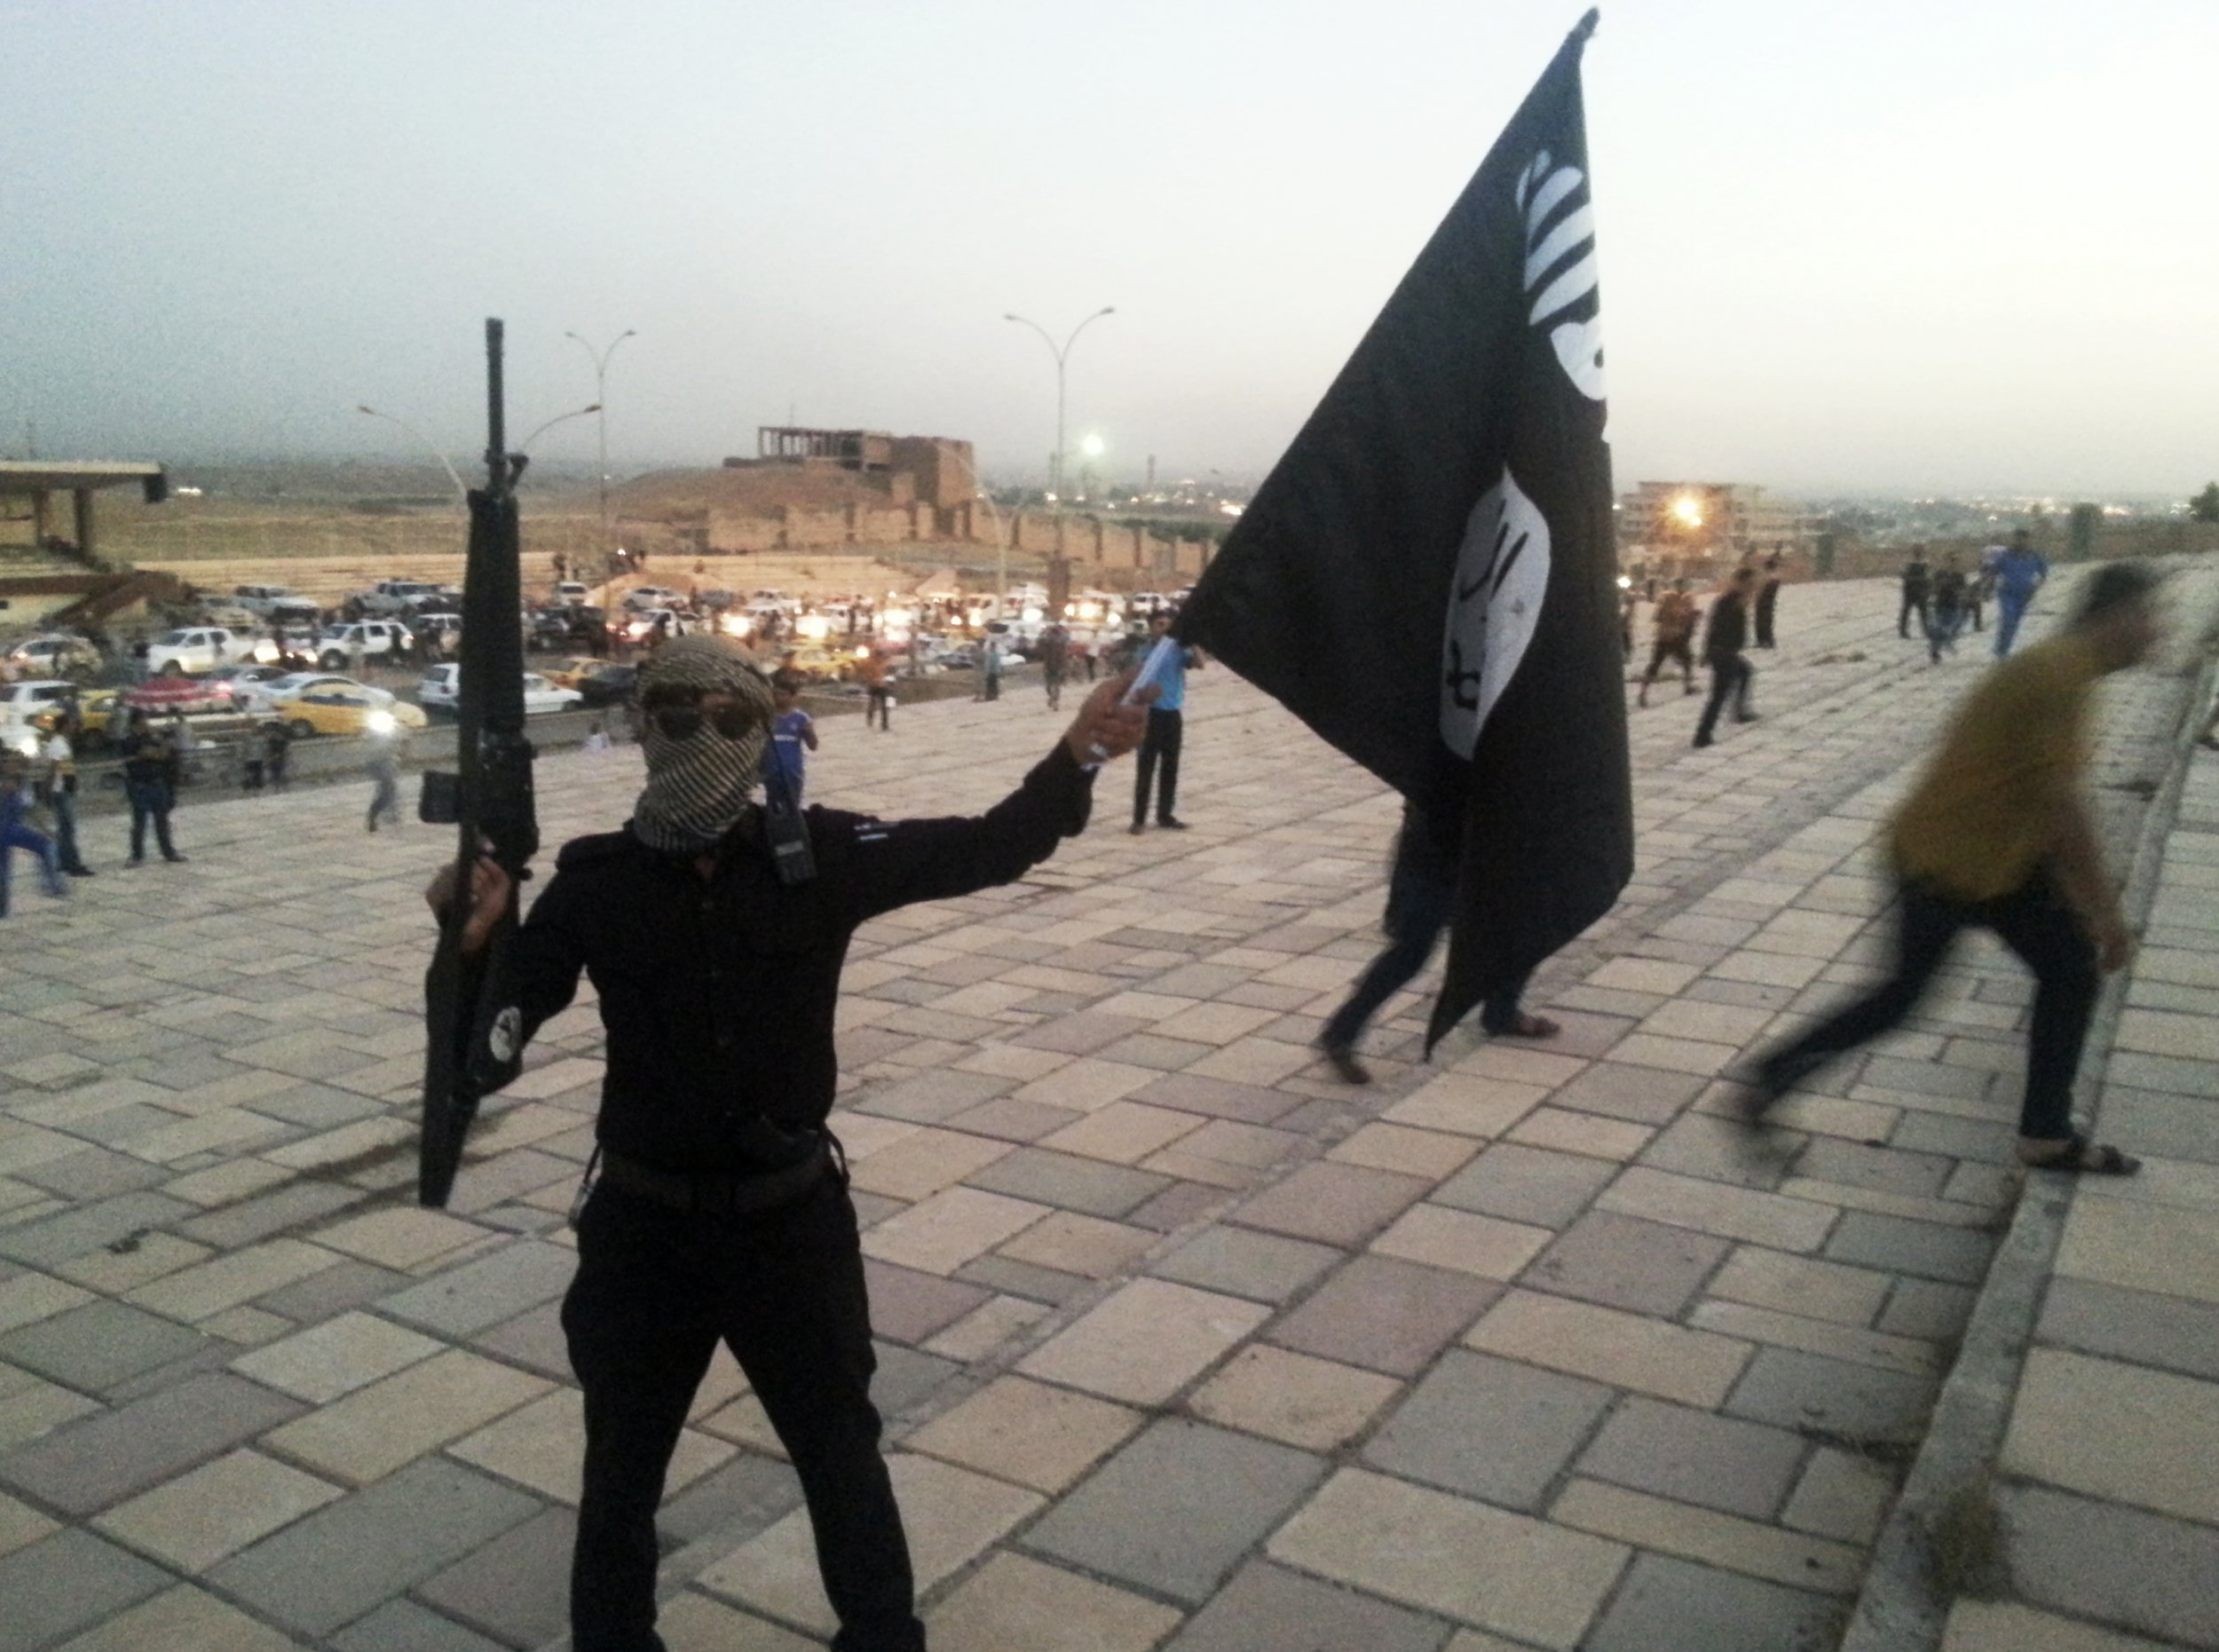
[{"x": 1948, "y": 244}]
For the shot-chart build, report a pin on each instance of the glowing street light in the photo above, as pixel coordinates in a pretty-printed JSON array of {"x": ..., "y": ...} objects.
[
  {"x": 1060, "y": 351},
  {"x": 1687, "y": 510}
]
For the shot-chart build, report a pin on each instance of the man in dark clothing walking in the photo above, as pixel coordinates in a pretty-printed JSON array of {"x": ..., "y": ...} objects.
[
  {"x": 1674, "y": 629},
  {"x": 1914, "y": 592},
  {"x": 1767, "y": 603},
  {"x": 1166, "y": 728},
  {"x": 722, "y": 1212},
  {"x": 1722, "y": 643},
  {"x": 150, "y": 774},
  {"x": 1421, "y": 899}
]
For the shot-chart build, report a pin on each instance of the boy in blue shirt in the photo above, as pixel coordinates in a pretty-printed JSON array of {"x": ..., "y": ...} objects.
[
  {"x": 791, "y": 729},
  {"x": 1165, "y": 725}
]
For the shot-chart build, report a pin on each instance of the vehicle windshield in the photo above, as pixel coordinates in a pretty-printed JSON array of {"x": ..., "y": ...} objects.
[{"x": 175, "y": 637}]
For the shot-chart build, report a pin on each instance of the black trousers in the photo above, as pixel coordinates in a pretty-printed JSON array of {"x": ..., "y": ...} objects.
[
  {"x": 1911, "y": 605},
  {"x": 1160, "y": 745},
  {"x": 2034, "y": 921},
  {"x": 657, "y": 1289},
  {"x": 1732, "y": 675}
]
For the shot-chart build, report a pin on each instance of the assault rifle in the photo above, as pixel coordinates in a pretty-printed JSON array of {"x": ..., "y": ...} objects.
[{"x": 473, "y": 1029}]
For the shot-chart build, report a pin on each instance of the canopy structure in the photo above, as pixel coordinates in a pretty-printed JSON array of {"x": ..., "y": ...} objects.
[{"x": 40, "y": 479}]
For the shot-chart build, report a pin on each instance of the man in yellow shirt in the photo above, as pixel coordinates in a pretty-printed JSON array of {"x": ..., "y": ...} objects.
[{"x": 1997, "y": 834}]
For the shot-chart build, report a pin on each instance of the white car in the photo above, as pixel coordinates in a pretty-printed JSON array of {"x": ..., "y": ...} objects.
[
  {"x": 199, "y": 648},
  {"x": 54, "y": 655},
  {"x": 651, "y": 596},
  {"x": 20, "y": 703},
  {"x": 441, "y": 686},
  {"x": 378, "y": 639}
]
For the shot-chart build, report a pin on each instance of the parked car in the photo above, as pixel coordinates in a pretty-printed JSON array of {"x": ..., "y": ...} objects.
[
  {"x": 294, "y": 684},
  {"x": 257, "y": 599},
  {"x": 642, "y": 597},
  {"x": 675, "y": 622},
  {"x": 606, "y": 684},
  {"x": 568, "y": 673},
  {"x": 378, "y": 639},
  {"x": 394, "y": 597},
  {"x": 199, "y": 648},
  {"x": 339, "y": 707},
  {"x": 162, "y": 696},
  {"x": 440, "y": 688},
  {"x": 98, "y": 713},
  {"x": 22, "y": 704},
  {"x": 569, "y": 593},
  {"x": 55, "y": 654}
]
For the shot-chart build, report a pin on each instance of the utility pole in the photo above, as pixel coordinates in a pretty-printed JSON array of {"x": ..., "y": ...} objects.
[{"x": 600, "y": 360}]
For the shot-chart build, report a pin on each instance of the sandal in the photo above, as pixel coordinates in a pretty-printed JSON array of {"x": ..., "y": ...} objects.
[
  {"x": 1528, "y": 1027},
  {"x": 2079, "y": 1156}
]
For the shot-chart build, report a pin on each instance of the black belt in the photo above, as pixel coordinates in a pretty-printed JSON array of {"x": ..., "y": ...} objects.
[{"x": 730, "y": 1195}]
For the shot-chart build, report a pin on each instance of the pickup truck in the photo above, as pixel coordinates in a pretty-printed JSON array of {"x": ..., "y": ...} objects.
[
  {"x": 259, "y": 599},
  {"x": 199, "y": 648},
  {"x": 379, "y": 639},
  {"x": 395, "y": 596}
]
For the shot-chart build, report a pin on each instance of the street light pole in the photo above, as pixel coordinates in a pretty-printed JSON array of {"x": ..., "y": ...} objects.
[
  {"x": 462, "y": 494},
  {"x": 600, "y": 360},
  {"x": 1059, "y": 351}
]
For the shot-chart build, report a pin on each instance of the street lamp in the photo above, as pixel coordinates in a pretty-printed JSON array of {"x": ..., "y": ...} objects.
[
  {"x": 1059, "y": 351},
  {"x": 462, "y": 494},
  {"x": 524, "y": 446},
  {"x": 600, "y": 360}
]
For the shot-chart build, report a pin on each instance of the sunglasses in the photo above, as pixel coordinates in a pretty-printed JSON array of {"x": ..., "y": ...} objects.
[{"x": 679, "y": 711}]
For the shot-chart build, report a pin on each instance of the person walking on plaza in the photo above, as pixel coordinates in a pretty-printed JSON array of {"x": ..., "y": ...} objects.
[
  {"x": 150, "y": 775},
  {"x": 385, "y": 771},
  {"x": 1978, "y": 585},
  {"x": 277, "y": 747},
  {"x": 1945, "y": 612},
  {"x": 2019, "y": 573},
  {"x": 1914, "y": 592},
  {"x": 1056, "y": 661},
  {"x": 722, "y": 1210},
  {"x": 1731, "y": 672},
  {"x": 1421, "y": 899},
  {"x": 791, "y": 731},
  {"x": 1673, "y": 633},
  {"x": 877, "y": 707},
  {"x": 1998, "y": 834},
  {"x": 1166, "y": 727},
  {"x": 59, "y": 784},
  {"x": 15, "y": 831},
  {"x": 1767, "y": 603}
]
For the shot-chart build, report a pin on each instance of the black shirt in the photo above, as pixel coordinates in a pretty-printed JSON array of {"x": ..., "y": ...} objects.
[
  {"x": 146, "y": 758},
  {"x": 718, "y": 995},
  {"x": 1729, "y": 629}
]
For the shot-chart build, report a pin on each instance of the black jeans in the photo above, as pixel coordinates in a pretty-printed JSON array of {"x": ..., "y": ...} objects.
[
  {"x": 150, "y": 801},
  {"x": 1729, "y": 676},
  {"x": 1161, "y": 744},
  {"x": 657, "y": 1289},
  {"x": 1419, "y": 909},
  {"x": 2034, "y": 921},
  {"x": 1911, "y": 605}
]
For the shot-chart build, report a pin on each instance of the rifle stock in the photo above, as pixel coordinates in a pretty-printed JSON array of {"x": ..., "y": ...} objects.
[{"x": 473, "y": 1027}]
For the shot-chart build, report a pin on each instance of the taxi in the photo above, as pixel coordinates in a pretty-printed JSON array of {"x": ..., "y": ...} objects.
[
  {"x": 572, "y": 672},
  {"x": 331, "y": 708}
]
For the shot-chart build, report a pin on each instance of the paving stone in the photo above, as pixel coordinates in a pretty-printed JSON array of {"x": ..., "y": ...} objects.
[
  {"x": 42, "y": 1244},
  {"x": 1015, "y": 1601},
  {"x": 1267, "y": 1266},
  {"x": 737, "y": 1500},
  {"x": 92, "y": 1173},
  {"x": 343, "y": 1561},
  {"x": 1712, "y": 1538},
  {"x": 98, "y": 1346},
  {"x": 1442, "y": 1554},
  {"x": 1315, "y": 1404},
  {"x": 2145, "y": 1247},
  {"x": 1174, "y": 1510},
  {"x": 1643, "y": 1095},
  {"x": 183, "y": 1619},
  {"x": 378, "y": 1429},
  {"x": 1929, "y": 1309},
  {"x": 1737, "y": 1213},
  {"x": 2117, "y": 1431},
  {"x": 911, "y": 1306},
  {"x": 1012, "y": 1277},
  {"x": 1899, "y": 1245},
  {"x": 1069, "y": 1182},
  {"x": 517, "y": 1587},
  {"x": 2008, "y": 1626},
  {"x": 1332, "y": 1204},
  {"x": 230, "y": 1278},
  {"x": 1841, "y": 1495},
  {"x": 1675, "y": 1603},
  {"x": 335, "y": 1358},
  {"x": 1626, "y": 1262},
  {"x": 1697, "y": 1457},
  {"x": 1801, "y": 1285},
  {"x": 1526, "y": 1184},
  {"x": 479, "y": 1294},
  {"x": 197, "y": 1519},
  {"x": 1088, "y": 1245},
  {"x": 940, "y": 1234},
  {"x": 1145, "y": 1341},
  {"x": 1463, "y": 1241},
  {"x": 1268, "y": 1608},
  {"x": 2170, "y": 1331},
  {"x": 402, "y": 1626},
  {"x": 102, "y": 1460},
  {"x": 2144, "y": 1572},
  {"x": 66, "y": 1582},
  {"x": 1808, "y": 1391},
  {"x": 541, "y": 1445},
  {"x": 1488, "y": 1427},
  {"x": 1385, "y": 1315},
  {"x": 907, "y": 1377},
  {"x": 249, "y": 1221}
]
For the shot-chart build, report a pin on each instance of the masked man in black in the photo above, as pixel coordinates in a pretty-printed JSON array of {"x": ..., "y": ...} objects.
[{"x": 722, "y": 1212}]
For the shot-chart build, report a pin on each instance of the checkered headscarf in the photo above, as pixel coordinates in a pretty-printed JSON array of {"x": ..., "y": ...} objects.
[{"x": 696, "y": 787}]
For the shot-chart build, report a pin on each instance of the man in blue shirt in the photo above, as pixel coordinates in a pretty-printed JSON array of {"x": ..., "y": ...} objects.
[
  {"x": 2019, "y": 573},
  {"x": 1164, "y": 724}
]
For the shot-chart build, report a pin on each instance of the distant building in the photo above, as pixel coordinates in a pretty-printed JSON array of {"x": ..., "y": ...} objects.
[
  {"x": 935, "y": 470},
  {"x": 1709, "y": 524}
]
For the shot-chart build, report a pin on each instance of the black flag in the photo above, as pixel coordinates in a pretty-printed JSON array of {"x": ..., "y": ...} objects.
[{"x": 1428, "y": 576}]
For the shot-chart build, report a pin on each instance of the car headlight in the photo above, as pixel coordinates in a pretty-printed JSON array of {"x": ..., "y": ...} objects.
[{"x": 380, "y": 721}]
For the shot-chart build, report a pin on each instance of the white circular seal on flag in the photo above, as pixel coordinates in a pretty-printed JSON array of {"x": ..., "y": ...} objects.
[
  {"x": 1502, "y": 579},
  {"x": 505, "y": 1037}
]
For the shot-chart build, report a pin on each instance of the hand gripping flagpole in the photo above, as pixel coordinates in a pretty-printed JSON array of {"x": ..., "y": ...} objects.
[{"x": 1152, "y": 670}]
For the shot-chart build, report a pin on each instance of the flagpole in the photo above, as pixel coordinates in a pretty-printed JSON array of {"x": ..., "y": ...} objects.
[{"x": 1586, "y": 27}]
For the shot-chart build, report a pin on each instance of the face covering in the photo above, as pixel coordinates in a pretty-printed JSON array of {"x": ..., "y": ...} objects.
[{"x": 698, "y": 786}]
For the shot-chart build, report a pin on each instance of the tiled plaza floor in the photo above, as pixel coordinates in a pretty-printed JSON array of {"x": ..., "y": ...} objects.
[{"x": 1184, "y": 1345}]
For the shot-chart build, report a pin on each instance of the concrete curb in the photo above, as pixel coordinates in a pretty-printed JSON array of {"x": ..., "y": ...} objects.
[{"x": 1903, "y": 1608}]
